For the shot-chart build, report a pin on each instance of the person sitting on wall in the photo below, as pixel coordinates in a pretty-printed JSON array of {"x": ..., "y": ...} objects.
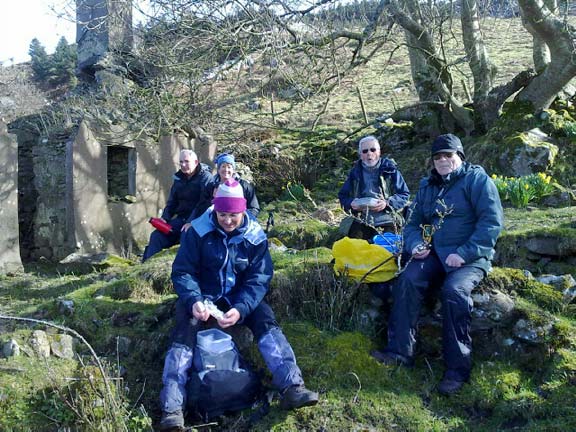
[
  {"x": 451, "y": 233},
  {"x": 224, "y": 257},
  {"x": 375, "y": 192},
  {"x": 185, "y": 193}
]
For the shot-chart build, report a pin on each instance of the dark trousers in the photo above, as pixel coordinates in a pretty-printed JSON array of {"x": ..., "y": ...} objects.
[
  {"x": 272, "y": 344},
  {"x": 159, "y": 241},
  {"x": 417, "y": 280}
]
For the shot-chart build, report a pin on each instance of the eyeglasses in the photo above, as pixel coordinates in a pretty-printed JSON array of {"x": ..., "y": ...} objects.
[
  {"x": 371, "y": 149},
  {"x": 439, "y": 156}
]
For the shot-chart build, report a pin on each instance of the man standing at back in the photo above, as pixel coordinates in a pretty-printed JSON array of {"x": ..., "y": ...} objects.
[{"x": 189, "y": 183}]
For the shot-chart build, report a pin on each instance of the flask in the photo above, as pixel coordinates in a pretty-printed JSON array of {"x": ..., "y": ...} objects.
[{"x": 160, "y": 225}]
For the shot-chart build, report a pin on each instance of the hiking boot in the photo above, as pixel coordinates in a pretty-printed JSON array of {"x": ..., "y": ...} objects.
[
  {"x": 390, "y": 359},
  {"x": 298, "y": 396},
  {"x": 172, "y": 421},
  {"x": 449, "y": 386}
]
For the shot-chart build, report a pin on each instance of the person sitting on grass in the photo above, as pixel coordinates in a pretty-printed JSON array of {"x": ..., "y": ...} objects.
[{"x": 224, "y": 257}]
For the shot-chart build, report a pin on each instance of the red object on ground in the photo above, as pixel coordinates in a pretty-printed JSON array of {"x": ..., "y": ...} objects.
[{"x": 160, "y": 225}]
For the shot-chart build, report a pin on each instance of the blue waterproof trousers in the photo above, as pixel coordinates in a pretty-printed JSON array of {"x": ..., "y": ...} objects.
[
  {"x": 419, "y": 278},
  {"x": 159, "y": 241},
  {"x": 272, "y": 343}
]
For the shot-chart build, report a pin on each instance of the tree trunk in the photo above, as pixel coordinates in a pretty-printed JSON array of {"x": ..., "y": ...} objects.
[
  {"x": 430, "y": 65},
  {"x": 560, "y": 38},
  {"x": 421, "y": 76},
  {"x": 482, "y": 69},
  {"x": 540, "y": 51}
]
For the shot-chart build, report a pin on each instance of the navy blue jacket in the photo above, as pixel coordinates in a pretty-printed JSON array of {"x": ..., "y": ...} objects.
[
  {"x": 213, "y": 264},
  {"x": 252, "y": 203},
  {"x": 473, "y": 216},
  {"x": 397, "y": 194},
  {"x": 185, "y": 192}
]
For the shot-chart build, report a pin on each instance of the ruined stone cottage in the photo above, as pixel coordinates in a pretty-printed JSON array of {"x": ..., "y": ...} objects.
[
  {"x": 93, "y": 187},
  {"x": 89, "y": 192}
]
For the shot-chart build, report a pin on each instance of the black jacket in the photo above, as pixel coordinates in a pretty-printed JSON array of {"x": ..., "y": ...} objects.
[{"x": 186, "y": 192}]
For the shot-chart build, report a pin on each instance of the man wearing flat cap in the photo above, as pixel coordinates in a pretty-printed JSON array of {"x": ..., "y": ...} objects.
[{"x": 455, "y": 221}]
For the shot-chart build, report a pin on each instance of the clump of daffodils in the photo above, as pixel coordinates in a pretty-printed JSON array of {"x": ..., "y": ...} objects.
[{"x": 522, "y": 190}]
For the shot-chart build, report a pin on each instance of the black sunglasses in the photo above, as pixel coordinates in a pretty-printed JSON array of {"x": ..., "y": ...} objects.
[{"x": 372, "y": 149}]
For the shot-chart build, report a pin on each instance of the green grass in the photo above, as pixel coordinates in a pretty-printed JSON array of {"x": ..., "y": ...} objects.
[{"x": 531, "y": 389}]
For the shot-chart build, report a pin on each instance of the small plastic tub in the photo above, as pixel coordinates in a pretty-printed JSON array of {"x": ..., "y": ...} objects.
[
  {"x": 389, "y": 241},
  {"x": 214, "y": 341}
]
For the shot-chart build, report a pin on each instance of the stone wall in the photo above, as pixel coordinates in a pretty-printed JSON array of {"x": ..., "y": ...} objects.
[
  {"x": 89, "y": 190},
  {"x": 103, "y": 26},
  {"x": 49, "y": 158}
]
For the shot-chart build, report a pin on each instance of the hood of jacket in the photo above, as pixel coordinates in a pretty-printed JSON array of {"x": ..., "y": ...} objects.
[{"x": 250, "y": 230}]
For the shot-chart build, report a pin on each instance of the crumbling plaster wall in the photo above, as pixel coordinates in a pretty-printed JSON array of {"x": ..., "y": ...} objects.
[
  {"x": 97, "y": 222},
  {"x": 64, "y": 202},
  {"x": 9, "y": 242}
]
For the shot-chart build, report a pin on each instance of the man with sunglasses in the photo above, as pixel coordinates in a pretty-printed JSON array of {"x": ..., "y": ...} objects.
[
  {"x": 455, "y": 221},
  {"x": 375, "y": 192}
]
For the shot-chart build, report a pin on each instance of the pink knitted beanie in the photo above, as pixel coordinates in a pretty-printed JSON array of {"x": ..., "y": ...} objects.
[{"x": 229, "y": 198}]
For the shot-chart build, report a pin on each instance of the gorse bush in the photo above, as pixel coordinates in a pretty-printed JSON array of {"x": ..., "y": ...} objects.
[{"x": 520, "y": 191}]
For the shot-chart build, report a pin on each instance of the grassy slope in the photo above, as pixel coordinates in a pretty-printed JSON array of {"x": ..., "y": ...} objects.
[{"x": 531, "y": 390}]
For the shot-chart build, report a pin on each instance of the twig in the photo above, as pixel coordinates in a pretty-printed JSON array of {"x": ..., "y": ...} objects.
[
  {"x": 84, "y": 341},
  {"x": 355, "y": 399}
]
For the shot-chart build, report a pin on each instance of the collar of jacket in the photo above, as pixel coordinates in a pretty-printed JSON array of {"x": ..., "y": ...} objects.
[
  {"x": 250, "y": 229},
  {"x": 386, "y": 166}
]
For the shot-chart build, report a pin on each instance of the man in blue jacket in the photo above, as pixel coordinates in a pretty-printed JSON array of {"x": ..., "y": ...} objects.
[
  {"x": 374, "y": 191},
  {"x": 185, "y": 193},
  {"x": 224, "y": 257},
  {"x": 455, "y": 221}
]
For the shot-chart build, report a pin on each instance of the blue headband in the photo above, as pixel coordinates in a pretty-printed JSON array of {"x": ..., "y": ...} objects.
[{"x": 226, "y": 158}]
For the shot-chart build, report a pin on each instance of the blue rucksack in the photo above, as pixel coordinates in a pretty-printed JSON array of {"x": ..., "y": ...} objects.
[{"x": 222, "y": 382}]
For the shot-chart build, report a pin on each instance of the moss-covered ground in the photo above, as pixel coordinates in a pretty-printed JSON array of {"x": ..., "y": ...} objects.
[
  {"x": 531, "y": 390},
  {"x": 124, "y": 310}
]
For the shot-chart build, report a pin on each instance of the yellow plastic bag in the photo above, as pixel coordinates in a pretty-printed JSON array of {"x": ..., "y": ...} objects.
[{"x": 356, "y": 257}]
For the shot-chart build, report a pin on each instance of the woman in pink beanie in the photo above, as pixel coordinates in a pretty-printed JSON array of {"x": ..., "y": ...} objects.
[
  {"x": 224, "y": 258},
  {"x": 229, "y": 205}
]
